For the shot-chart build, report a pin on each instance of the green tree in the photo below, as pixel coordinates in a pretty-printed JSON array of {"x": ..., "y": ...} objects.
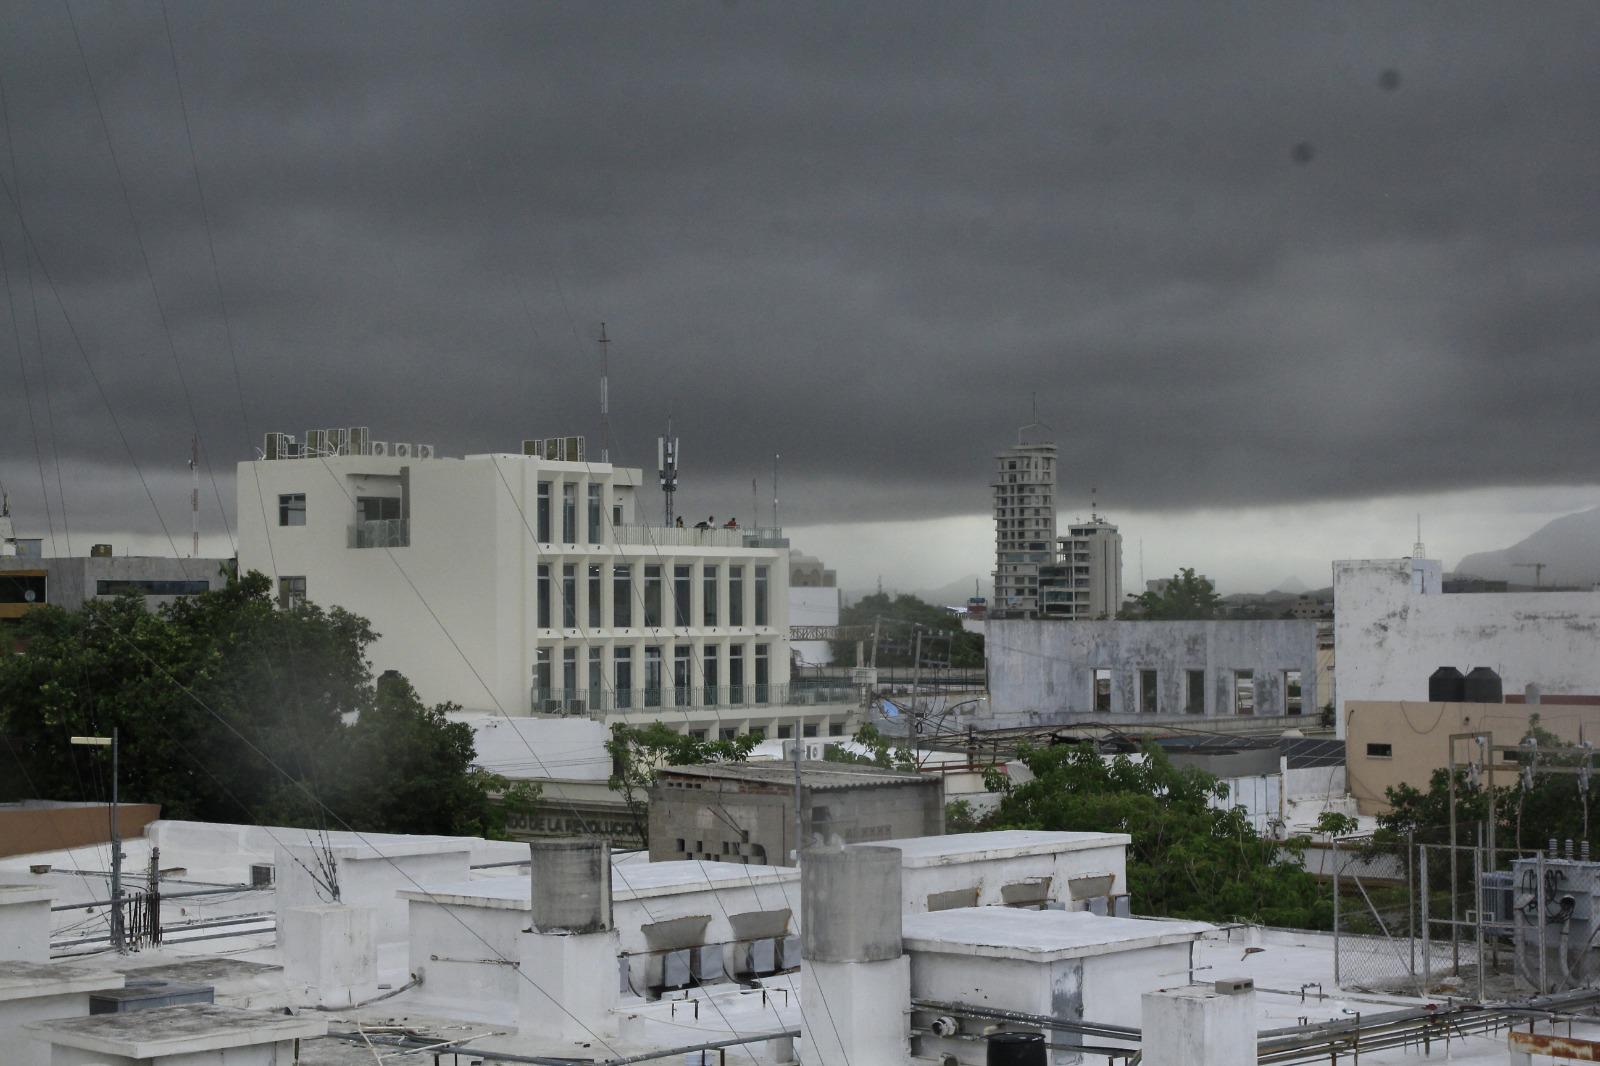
[
  {"x": 1189, "y": 858},
  {"x": 884, "y": 752},
  {"x": 637, "y": 752},
  {"x": 900, "y": 615},
  {"x": 1186, "y": 596},
  {"x": 232, "y": 709}
]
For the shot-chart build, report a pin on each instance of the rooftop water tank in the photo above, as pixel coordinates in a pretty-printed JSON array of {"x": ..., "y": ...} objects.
[
  {"x": 1446, "y": 685},
  {"x": 1482, "y": 685},
  {"x": 1016, "y": 1049}
]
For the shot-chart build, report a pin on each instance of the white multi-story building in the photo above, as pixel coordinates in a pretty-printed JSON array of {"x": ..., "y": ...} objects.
[
  {"x": 1087, "y": 581},
  {"x": 1024, "y": 525},
  {"x": 520, "y": 584}
]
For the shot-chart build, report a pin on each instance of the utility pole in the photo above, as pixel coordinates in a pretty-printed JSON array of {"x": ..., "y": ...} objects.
[
  {"x": 775, "y": 458},
  {"x": 799, "y": 825}
]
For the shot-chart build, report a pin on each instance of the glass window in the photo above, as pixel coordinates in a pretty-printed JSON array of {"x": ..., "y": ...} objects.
[
  {"x": 708, "y": 592},
  {"x": 616, "y": 516},
  {"x": 622, "y": 660},
  {"x": 1147, "y": 692},
  {"x": 569, "y": 595},
  {"x": 1293, "y": 700},
  {"x": 1380, "y": 751},
  {"x": 682, "y": 583},
  {"x": 1194, "y": 701},
  {"x": 597, "y": 682},
  {"x": 292, "y": 509},
  {"x": 709, "y": 659},
  {"x": 569, "y": 675},
  {"x": 809, "y": 729},
  {"x": 836, "y": 729},
  {"x": 596, "y": 536},
  {"x": 763, "y": 688},
  {"x": 682, "y": 680},
  {"x": 652, "y": 594},
  {"x": 541, "y": 679},
  {"x": 785, "y": 732},
  {"x": 1102, "y": 691},
  {"x": 378, "y": 508},
  {"x": 761, "y": 595},
  {"x": 621, "y": 596},
  {"x": 542, "y": 595},
  {"x": 652, "y": 676},
  {"x": 736, "y": 693},
  {"x": 736, "y": 595},
  {"x": 1244, "y": 692},
  {"x": 596, "y": 596},
  {"x": 543, "y": 512},
  {"x": 569, "y": 512},
  {"x": 291, "y": 591}
]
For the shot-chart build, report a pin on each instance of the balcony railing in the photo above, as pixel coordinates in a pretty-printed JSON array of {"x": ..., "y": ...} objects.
[
  {"x": 689, "y": 537},
  {"x": 698, "y": 698},
  {"x": 383, "y": 533}
]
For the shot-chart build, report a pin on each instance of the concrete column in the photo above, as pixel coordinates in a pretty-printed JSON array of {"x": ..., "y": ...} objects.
[
  {"x": 855, "y": 980},
  {"x": 1200, "y": 1025},
  {"x": 25, "y": 922},
  {"x": 331, "y": 951},
  {"x": 569, "y": 957}
]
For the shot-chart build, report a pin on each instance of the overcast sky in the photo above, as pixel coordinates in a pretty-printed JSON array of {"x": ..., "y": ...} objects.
[{"x": 1279, "y": 275}]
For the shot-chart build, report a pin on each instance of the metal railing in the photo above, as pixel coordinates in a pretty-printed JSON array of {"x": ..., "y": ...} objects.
[
  {"x": 586, "y": 701},
  {"x": 382, "y": 533},
  {"x": 689, "y": 537}
]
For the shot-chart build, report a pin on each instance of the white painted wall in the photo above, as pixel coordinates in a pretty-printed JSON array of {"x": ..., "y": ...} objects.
[
  {"x": 1388, "y": 637},
  {"x": 367, "y": 876},
  {"x": 989, "y": 861},
  {"x": 813, "y": 606},
  {"x": 570, "y": 749}
]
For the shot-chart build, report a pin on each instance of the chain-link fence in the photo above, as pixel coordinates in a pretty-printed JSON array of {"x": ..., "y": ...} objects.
[{"x": 1378, "y": 942}]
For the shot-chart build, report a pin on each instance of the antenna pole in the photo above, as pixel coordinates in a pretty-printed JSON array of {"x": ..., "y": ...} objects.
[
  {"x": 194, "y": 495},
  {"x": 775, "y": 458},
  {"x": 605, "y": 396}
]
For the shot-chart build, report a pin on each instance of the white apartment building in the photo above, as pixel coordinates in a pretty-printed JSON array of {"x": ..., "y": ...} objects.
[
  {"x": 1087, "y": 581},
  {"x": 519, "y": 584},
  {"x": 1024, "y": 525}
]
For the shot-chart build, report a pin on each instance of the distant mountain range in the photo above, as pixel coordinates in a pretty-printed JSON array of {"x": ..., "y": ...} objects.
[{"x": 1569, "y": 547}]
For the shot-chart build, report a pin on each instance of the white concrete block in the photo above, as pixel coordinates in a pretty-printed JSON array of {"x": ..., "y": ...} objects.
[
  {"x": 331, "y": 950},
  {"x": 571, "y": 985},
  {"x": 1196, "y": 1025},
  {"x": 855, "y": 1012},
  {"x": 25, "y": 923}
]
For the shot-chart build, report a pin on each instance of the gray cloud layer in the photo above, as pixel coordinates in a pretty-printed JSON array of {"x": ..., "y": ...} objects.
[{"x": 1243, "y": 253}]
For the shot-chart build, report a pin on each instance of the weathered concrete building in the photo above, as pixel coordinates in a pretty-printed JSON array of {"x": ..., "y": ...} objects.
[
  {"x": 1045, "y": 671},
  {"x": 1394, "y": 625},
  {"x": 744, "y": 812},
  {"x": 27, "y": 582}
]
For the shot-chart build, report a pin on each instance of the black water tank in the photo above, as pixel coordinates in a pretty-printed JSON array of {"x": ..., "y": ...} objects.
[
  {"x": 1483, "y": 686},
  {"x": 1017, "y": 1049},
  {"x": 1446, "y": 685}
]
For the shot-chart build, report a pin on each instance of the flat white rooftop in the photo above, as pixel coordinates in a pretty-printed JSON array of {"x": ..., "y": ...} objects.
[
  {"x": 1038, "y": 936},
  {"x": 638, "y": 880},
  {"x": 1001, "y": 844},
  {"x": 185, "y": 1030},
  {"x": 32, "y": 980}
]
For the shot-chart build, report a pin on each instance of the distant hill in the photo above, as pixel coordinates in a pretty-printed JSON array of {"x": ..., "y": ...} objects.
[
  {"x": 955, "y": 594},
  {"x": 1569, "y": 546}
]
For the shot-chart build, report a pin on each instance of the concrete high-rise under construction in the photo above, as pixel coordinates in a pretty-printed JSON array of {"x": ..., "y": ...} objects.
[{"x": 1024, "y": 524}]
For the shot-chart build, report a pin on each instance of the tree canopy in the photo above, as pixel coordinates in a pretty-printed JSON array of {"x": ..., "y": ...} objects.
[
  {"x": 897, "y": 642},
  {"x": 1191, "y": 855},
  {"x": 638, "y": 751},
  {"x": 230, "y": 708},
  {"x": 1186, "y": 596}
]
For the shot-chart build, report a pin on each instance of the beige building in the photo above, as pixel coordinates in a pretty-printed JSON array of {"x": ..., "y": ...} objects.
[{"x": 1394, "y": 742}]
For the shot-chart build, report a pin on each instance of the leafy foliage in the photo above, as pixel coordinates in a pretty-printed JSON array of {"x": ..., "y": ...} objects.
[
  {"x": 637, "y": 752},
  {"x": 897, "y": 645},
  {"x": 885, "y": 753},
  {"x": 1187, "y": 596},
  {"x": 1188, "y": 859},
  {"x": 231, "y": 709}
]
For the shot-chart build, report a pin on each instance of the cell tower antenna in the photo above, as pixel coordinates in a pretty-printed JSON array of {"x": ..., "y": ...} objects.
[
  {"x": 775, "y": 458},
  {"x": 667, "y": 466},
  {"x": 605, "y": 395},
  {"x": 194, "y": 496},
  {"x": 1094, "y": 510},
  {"x": 1417, "y": 550}
]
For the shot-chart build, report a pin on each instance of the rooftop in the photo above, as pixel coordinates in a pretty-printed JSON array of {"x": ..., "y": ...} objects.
[
  {"x": 184, "y": 1030},
  {"x": 633, "y": 881},
  {"x": 1001, "y": 844},
  {"x": 1039, "y": 936},
  {"x": 818, "y": 776}
]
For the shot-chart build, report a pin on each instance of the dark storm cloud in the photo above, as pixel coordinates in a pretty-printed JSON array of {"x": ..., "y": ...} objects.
[{"x": 1242, "y": 253}]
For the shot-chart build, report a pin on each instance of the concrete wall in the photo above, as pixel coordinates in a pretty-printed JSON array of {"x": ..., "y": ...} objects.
[
  {"x": 365, "y": 876},
  {"x": 1389, "y": 637},
  {"x": 73, "y": 580},
  {"x": 1043, "y": 671},
  {"x": 813, "y": 606},
  {"x": 1392, "y": 743},
  {"x": 27, "y": 828}
]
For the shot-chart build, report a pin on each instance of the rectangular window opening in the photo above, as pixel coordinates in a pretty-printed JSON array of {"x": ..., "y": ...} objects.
[
  {"x": 1293, "y": 698},
  {"x": 1148, "y": 703},
  {"x": 292, "y": 509},
  {"x": 1244, "y": 692},
  {"x": 1380, "y": 751},
  {"x": 1194, "y": 697},
  {"x": 1102, "y": 691}
]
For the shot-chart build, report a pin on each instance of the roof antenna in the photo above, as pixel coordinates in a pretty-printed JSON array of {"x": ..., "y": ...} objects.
[
  {"x": 605, "y": 396},
  {"x": 1417, "y": 550}
]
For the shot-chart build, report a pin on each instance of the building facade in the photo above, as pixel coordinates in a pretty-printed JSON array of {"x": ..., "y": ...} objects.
[
  {"x": 1024, "y": 525},
  {"x": 1086, "y": 582},
  {"x": 27, "y": 582},
  {"x": 1394, "y": 625},
  {"x": 519, "y": 584},
  {"x": 1043, "y": 672}
]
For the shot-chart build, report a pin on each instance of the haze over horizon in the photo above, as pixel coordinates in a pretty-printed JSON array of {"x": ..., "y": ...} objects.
[{"x": 1280, "y": 280}]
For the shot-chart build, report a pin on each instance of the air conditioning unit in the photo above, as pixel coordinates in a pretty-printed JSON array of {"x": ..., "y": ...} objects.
[
  {"x": 360, "y": 440},
  {"x": 424, "y": 451},
  {"x": 401, "y": 451},
  {"x": 553, "y": 706},
  {"x": 577, "y": 707},
  {"x": 338, "y": 441},
  {"x": 272, "y": 446},
  {"x": 378, "y": 447}
]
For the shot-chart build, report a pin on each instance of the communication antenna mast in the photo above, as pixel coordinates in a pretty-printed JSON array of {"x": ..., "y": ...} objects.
[
  {"x": 667, "y": 466},
  {"x": 605, "y": 396},
  {"x": 194, "y": 496},
  {"x": 775, "y": 458},
  {"x": 1417, "y": 550}
]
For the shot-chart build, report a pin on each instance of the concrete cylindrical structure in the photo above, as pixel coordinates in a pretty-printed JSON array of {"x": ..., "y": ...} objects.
[
  {"x": 854, "y": 894},
  {"x": 570, "y": 882}
]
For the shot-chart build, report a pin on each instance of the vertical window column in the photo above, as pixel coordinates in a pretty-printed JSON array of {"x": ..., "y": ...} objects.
[
  {"x": 709, "y": 672},
  {"x": 542, "y": 513},
  {"x": 541, "y": 679},
  {"x": 597, "y": 525},
  {"x": 762, "y": 584},
  {"x": 597, "y": 682},
  {"x": 569, "y": 512},
  {"x": 682, "y": 594},
  {"x": 735, "y": 595},
  {"x": 542, "y": 595},
  {"x": 597, "y": 596},
  {"x": 652, "y": 595},
  {"x": 682, "y": 675},
  {"x": 621, "y": 595},
  {"x": 737, "y": 697},
  {"x": 569, "y": 595},
  {"x": 652, "y": 675},
  {"x": 763, "y": 677},
  {"x": 709, "y": 582},
  {"x": 622, "y": 661},
  {"x": 569, "y": 678}
]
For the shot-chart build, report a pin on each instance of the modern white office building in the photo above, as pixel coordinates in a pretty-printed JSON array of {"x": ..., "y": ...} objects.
[
  {"x": 522, "y": 584},
  {"x": 1024, "y": 525},
  {"x": 1086, "y": 582}
]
